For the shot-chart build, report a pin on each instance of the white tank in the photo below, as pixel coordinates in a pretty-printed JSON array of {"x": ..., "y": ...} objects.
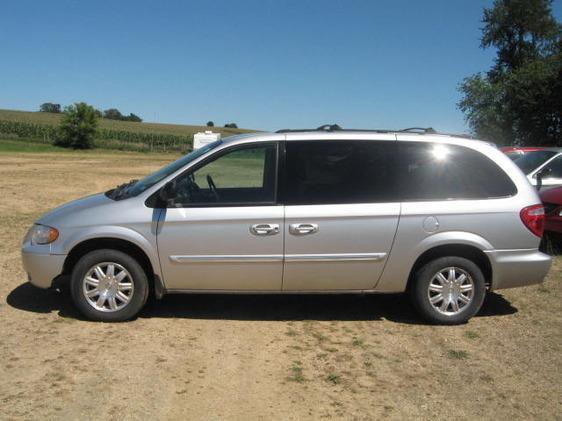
[{"x": 203, "y": 138}]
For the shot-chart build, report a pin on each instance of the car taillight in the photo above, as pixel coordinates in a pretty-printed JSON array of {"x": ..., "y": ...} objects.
[{"x": 533, "y": 218}]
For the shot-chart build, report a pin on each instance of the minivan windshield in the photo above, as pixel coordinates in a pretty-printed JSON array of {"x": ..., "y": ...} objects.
[
  {"x": 136, "y": 187},
  {"x": 532, "y": 160}
]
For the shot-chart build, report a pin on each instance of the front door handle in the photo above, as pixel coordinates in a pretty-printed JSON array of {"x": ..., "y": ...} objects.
[
  {"x": 303, "y": 229},
  {"x": 264, "y": 229}
]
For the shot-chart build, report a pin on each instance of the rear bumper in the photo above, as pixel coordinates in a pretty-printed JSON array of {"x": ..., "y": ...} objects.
[
  {"x": 517, "y": 268},
  {"x": 41, "y": 269}
]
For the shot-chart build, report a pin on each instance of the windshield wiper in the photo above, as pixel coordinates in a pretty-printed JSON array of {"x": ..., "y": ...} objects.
[{"x": 120, "y": 191}]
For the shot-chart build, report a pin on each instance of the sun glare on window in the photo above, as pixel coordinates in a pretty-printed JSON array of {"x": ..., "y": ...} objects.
[{"x": 440, "y": 152}]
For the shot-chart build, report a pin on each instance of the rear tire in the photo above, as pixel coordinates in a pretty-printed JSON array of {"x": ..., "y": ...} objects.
[
  {"x": 108, "y": 286},
  {"x": 448, "y": 290}
]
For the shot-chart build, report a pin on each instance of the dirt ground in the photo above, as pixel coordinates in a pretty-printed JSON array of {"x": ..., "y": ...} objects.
[{"x": 256, "y": 357}]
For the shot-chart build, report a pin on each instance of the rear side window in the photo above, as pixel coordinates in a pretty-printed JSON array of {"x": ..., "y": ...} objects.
[
  {"x": 432, "y": 171},
  {"x": 347, "y": 171}
]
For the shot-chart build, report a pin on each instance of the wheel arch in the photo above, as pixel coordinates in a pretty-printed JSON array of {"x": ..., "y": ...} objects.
[
  {"x": 466, "y": 251},
  {"x": 113, "y": 243}
]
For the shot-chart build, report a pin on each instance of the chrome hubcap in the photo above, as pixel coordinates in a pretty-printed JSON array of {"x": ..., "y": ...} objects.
[
  {"x": 451, "y": 290},
  {"x": 108, "y": 286}
]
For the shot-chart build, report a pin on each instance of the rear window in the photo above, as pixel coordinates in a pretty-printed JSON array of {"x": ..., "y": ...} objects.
[
  {"x": 532, "y": 160},
  {"x": 432, "y": 171}
]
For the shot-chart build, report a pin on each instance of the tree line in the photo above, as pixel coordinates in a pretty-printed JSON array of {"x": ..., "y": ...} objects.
[
  {"x": 110, "y": 114},
  {"x": 113, "y": 114}
]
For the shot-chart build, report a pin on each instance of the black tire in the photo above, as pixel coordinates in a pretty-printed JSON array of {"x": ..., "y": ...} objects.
[
  {"x": 421, "y": 282},
  {"x": 139, "y": 280}
]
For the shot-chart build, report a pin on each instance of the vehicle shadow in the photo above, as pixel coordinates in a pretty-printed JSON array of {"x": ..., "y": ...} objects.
[{"x": 351, "y": 307}]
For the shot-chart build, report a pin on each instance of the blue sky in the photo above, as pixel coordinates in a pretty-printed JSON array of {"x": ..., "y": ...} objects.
[{"x": 264, "y": 64}]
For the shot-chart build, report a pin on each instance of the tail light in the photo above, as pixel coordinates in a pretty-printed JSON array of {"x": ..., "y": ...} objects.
[{"x": 533, "y": 218}]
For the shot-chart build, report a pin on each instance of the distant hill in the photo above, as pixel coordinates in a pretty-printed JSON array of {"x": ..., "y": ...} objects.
[{"x": 40, "y": 126}]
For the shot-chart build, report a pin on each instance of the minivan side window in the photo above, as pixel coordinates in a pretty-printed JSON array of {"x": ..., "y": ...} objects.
[
  {"x": 243, "y": 176},
  {"x": 342, "y": 171},
  {"x": 433, "y": 171}
]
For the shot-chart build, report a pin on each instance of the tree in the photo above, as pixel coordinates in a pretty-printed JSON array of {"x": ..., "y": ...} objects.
[
  {"x": 113, "y": 114},
  {"x": 520, "y": 30},
  {"x": 49, "y": 107},
  {"x": 133, "y": 117},
  {"x": 78, "y": 127},
  {"x": 231, "y": 126},
  {"x": 519, "y": 99},
  {"x": 210, "y": 124}
]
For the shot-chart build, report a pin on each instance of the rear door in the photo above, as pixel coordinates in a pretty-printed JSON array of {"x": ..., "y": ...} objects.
[{"x": 341, "y": 212}]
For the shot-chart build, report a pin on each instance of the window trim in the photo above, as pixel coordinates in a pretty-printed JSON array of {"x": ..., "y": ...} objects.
[{"x": 152, "y": 200}]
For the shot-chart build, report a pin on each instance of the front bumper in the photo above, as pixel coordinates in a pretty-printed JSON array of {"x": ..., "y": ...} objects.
[
  {"x": 41, "y": 268},
  {"x": 516, "y": 268}
]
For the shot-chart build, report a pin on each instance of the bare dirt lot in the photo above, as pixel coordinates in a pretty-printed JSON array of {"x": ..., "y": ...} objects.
[{"x": 256, "y": 357}]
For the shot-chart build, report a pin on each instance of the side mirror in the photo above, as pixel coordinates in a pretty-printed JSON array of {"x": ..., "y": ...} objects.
[
  {"x": 167, "y": 193},
  {"x": 544, "y": 172}
]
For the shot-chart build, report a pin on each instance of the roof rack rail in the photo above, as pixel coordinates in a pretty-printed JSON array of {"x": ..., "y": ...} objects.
[
  {"x": 412, "y": 130},
  {"x": 323, "y": 128},
  {"x": 431, "y": 130},
  {"x": 334, "y": 128},
  {"x": 422, "y": 130}
]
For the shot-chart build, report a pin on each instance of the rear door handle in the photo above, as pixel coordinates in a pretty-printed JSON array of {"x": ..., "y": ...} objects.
[
  {"x": 264, "y": 229},
  {"x": 303, "y": 229}
]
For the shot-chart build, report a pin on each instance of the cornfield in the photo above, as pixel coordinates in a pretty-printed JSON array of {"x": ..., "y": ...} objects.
[{"x": 107, "y": 138}]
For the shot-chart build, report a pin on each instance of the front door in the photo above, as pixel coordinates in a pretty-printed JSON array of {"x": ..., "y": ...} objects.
[
  {"x": 341, "y": 213},
  {"x": 224, "y": 230}
]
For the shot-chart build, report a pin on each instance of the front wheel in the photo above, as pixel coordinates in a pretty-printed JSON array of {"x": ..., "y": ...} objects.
[
  {"x": 109, "y": 286},
  {"x": 448, "y": 290}
]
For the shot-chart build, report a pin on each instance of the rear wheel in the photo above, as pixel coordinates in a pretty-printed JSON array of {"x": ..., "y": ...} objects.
[
  {"x": 448, "y": 290},
  {"x": 109, "y": 285}
]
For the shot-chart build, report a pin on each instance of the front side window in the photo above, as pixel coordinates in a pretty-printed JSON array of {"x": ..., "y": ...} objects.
[
  {"x": 346, "y": 171},
  {"x": 244, "y": 176},
  {"x": 555, "y": 167},
  {"x": 433, "y": 171}
]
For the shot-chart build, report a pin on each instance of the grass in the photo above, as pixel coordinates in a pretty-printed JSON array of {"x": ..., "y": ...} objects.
[
  {"x": 471, "y": 334},
  {"x": 358, "y": 342},
  {"x": 10, "y": 145},
  {"x": 457, "y": 355},
  {"x": 296, "y": 375},
  {"x": 333, "y": 378}
]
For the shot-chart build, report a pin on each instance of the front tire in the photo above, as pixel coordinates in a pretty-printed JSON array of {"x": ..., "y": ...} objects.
[
  {"x": 448, "y": 290},
  {"x": 108, "y": 286}
]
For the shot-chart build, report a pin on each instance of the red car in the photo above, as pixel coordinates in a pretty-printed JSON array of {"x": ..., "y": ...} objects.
[
  {"x": 516, "y": 151},
  {"x": 552, "y": 200}
]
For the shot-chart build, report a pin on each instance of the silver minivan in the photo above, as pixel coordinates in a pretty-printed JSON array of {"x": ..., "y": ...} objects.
[{"x": 314, "y": 211}]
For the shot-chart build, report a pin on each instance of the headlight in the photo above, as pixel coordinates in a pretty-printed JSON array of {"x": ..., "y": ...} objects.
[{"x": 42, "y": 234}]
